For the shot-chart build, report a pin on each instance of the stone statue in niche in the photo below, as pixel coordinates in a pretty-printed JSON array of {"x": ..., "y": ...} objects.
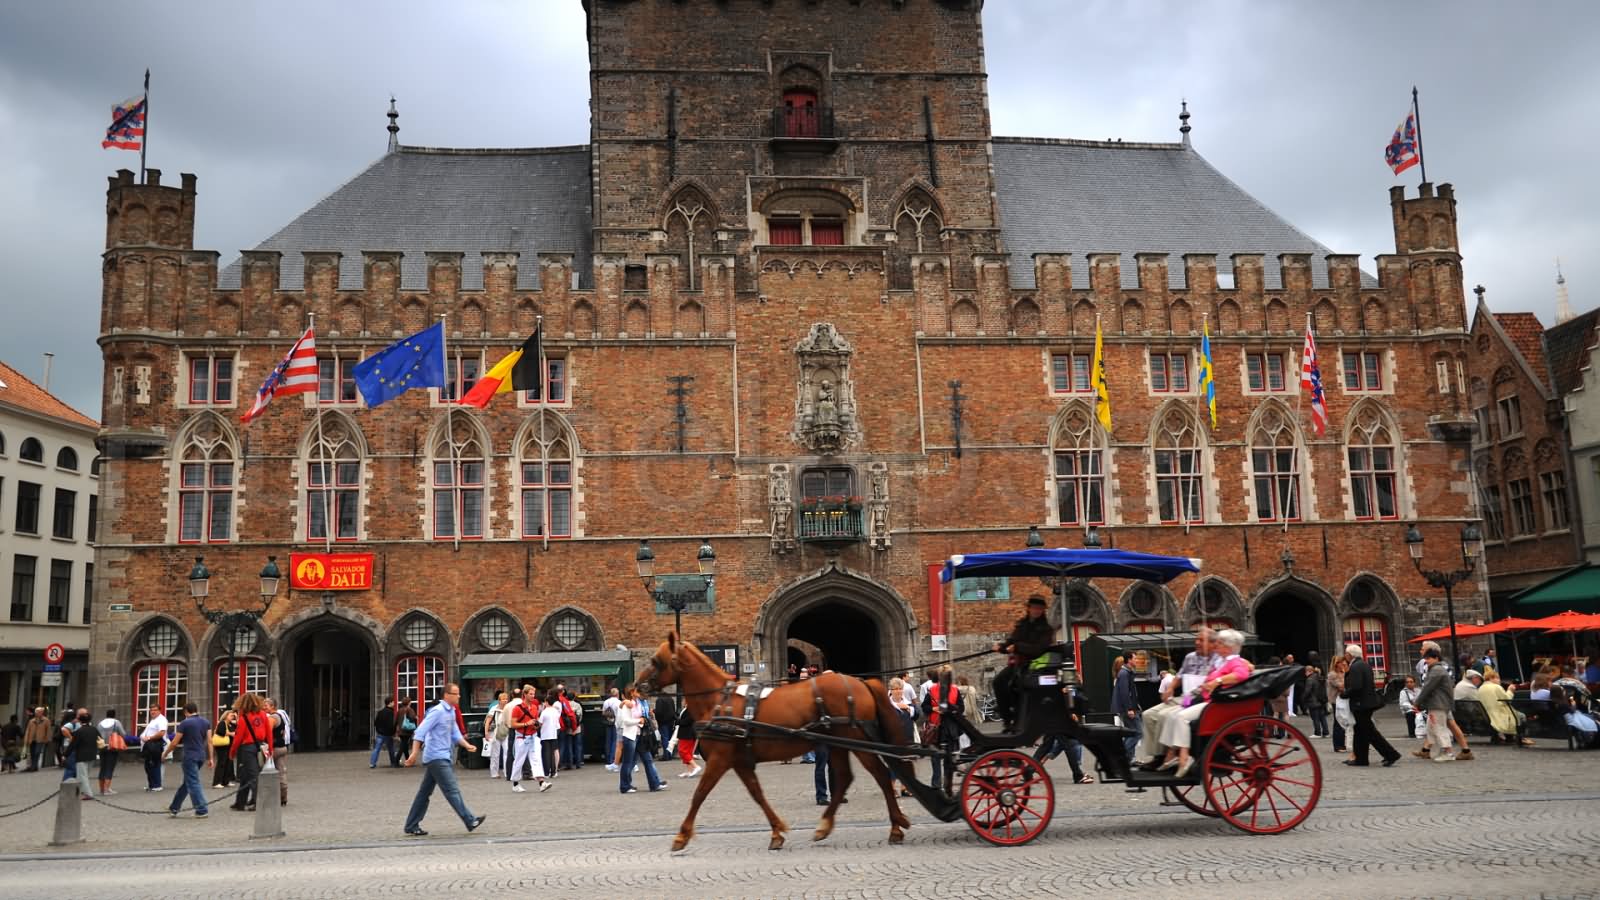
[
  {"x": 878, "y": 506},
  {"x": 825, "y": 410},
  {"x": 781, "y": 504}
]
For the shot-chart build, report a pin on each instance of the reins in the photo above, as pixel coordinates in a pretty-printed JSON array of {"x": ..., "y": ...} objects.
[{"x": 862, "y": 675}]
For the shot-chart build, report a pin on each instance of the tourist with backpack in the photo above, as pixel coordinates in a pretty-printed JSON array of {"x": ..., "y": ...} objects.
[
  {"x": 283, "y": 738},
  {"x": 116, "y": 741}
]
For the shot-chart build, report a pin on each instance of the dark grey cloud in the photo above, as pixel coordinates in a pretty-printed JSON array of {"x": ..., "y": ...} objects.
[{"x": 275, "y": 105}]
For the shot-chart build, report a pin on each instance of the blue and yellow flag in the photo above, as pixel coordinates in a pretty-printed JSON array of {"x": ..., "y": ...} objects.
[
  {"x": 1208, "y": 375},
  {"x": 413, "y": 362},
  {"x": 1097, "y": 373}
]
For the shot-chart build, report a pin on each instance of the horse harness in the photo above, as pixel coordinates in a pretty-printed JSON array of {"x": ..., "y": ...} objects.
[{"x": 728, "y": 725}]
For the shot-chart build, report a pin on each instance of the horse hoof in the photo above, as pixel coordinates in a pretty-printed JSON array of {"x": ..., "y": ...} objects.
[
  {"x": 679, "y": 843},
  {"x": 777, "y": 843},
  {"x": 822, "y": 831},
  {"x": 897, "y": 837}
]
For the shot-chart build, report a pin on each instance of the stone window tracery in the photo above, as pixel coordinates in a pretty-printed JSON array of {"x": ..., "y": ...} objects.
[
  {"x": 206, "y": 482},
  {"x": 1374, "y": 465},
  {"x": 333, "y": 485},
  {"x": 1078, "y": 450},
  {"x": 1275, "y": 466},
  {"x": 1178, "y": 455},
  {"x": 546, "y": 463}
]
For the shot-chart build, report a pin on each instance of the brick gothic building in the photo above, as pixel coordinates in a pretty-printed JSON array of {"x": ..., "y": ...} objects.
[{"x": 797, "y": 212}]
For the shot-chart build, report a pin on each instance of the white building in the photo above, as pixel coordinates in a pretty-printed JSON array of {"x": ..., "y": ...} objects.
[{"x": 49, "y": 490}]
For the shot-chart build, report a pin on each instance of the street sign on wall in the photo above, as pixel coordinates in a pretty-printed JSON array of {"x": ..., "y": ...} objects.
[
  {"x": 55, "y": 653},
  {"x": 50, "y": 679}
]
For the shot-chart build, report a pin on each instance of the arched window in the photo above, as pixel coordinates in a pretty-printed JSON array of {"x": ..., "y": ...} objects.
[
  {"x": 1275, "y": 464},
  {"x": 1078, "y": 447},
  {"x": 67, "y": 458},
  {"x": 1374, "y": 464},
  {"x": 1179, "y": 473},
  {"x": 32, "y": 450},
  {"x": 458, "y": 471},
  {"x": 1371, "y": 634},
  {"x": 160, "y": 681},
  {"x": 419, "y": 670},
  {"x": 206, "y": 482},
  {"x": 1214, "y": 605},
  {"x": 569, "y": 629},
  {"x": 690, "y": 225},
  {"x": 332, "y": 488},
  {"x": 806, "y": 217},
  {"x": 247, "y": 676},
  {"x": 1142, "y": 610},
  {"x": 2, "y": 443},
  {"x": 917, "y": 224},
  {"x": 545, "y": 460}
]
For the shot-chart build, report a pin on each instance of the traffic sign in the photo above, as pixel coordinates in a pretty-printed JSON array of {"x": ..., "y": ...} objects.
[
  {"x": 52, "y": 667},
  {"x": 120, "y": 607},
  {"x": 55, "y": 653}
]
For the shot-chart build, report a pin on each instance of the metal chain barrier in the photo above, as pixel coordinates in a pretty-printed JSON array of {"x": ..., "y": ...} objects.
[
  {"x": 164, "y": 810},
  {"x": 17, "y": 812}
]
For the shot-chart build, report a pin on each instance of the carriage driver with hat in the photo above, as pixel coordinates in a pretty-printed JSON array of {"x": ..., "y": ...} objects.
[{"x": 1030, "y": 641}]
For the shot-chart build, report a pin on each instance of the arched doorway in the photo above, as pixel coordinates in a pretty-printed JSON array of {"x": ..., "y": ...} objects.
[
  {"x": 1294, "y": 617},
  {"x": 845, "y": 636},
  {"x": 328, "y": 681}
]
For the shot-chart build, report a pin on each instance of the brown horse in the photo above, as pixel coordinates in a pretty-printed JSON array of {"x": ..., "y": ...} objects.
[{"x": 789, "y": 706}]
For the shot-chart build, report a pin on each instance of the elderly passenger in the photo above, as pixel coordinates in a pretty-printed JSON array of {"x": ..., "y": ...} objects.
[
  {"x": 1505, "y": 719},
  {"x": 1232, "y": 670},
  {"x": 1196, "y": 666}
]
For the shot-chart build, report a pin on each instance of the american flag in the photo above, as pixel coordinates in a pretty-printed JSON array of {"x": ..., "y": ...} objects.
[
  {"x": 1405, "y": 148},
  {"x": 1311, "y": 381},
  {"x": 127, "y": 125},
  {"x": 297, "y": 374}
]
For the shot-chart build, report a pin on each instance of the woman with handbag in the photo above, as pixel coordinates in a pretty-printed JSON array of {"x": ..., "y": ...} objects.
[
  {"x": 221, "y": 739},
  {"x": 116, "y": 738},
  {"x": 1343, "y": 718},
  {"x": 251, "y": 740},
  {"x": 407, "y": 719}
]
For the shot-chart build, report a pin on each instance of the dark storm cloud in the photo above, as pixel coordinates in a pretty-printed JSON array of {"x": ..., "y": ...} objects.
[{"x": 275, "y": 105}]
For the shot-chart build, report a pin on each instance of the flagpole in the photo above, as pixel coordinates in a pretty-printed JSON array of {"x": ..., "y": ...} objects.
[
  {"x": 322, "y": 445},
  {"x": 544, "y": 462},
  {"x": 450, "y": 438},
  {"x": 145, "y": 142},
  {"x": 1416, "y": 110}
]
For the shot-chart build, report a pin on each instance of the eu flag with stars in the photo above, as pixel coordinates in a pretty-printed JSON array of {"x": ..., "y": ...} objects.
[{"x": 413, "y": 362}]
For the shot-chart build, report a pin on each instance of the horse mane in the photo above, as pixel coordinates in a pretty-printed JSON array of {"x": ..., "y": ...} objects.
[{"x": 699, "y": 654}]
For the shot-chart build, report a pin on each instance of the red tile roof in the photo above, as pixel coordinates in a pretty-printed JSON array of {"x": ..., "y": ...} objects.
[
  {"x": 1525, "y": 332},
  {"x": 22, "y": 393}
]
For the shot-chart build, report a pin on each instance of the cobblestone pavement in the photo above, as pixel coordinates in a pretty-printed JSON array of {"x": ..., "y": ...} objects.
[{"x": 1513, "y": 823}]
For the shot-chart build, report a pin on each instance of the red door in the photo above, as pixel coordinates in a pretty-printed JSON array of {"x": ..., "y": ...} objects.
[{"x": 799, "y": 113}]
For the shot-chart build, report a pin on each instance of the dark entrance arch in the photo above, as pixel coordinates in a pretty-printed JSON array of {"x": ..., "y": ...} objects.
[
  {"x": 327, "y": 673},
  {"x": 1292, "y": 621},
  {"x": 846, "y": 636}
]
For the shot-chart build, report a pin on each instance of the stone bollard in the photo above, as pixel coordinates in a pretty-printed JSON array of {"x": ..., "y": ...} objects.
[
  {"x": 269, "y": 814},
  {"x": 69, "y": 816}
]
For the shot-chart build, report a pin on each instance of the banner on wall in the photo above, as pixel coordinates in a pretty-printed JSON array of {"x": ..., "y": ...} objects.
[
  {"x": 936, "y": 623},
  {"x": 330, "y": 571}
]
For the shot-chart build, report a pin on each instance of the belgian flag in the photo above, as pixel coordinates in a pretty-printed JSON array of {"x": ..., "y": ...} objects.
[{"x": 518, "y": 371}]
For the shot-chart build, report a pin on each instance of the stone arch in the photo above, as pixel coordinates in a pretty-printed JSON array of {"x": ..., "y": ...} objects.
[
  {"x": 351, "y": 318},
  {"x": 1132, "y": 605},
  {"x": 1213, "y": 598},
  {"x": 288, "y": 317},
  {"x": 470, "y": 318},
  {"x": 1181, "y": 315},
  {"x": 1277, "y": 316},
  {"x": 526, "y": 316},
  {"x": 471, "y": 640},
  {"x": 1227, "y": 317},
  {"x": 964, "y": 318},
  {"x": 1325, "y": 315},
  {"x": 1373, "y": 316},
  {"x": 583, "y": 321},
  {"x": 1025, "y": 317},
  {"x": 1083, "y": 313},
  {"x": 327, "y": 665},
  {"x": 691, "y": 319},
  {"x": 1086, "y": 602},
  {"x": 132, "y": 648},
  {"x": 413, "y": 314},
  {"x": 832, "y": 586},
  {"x": 1277, "y": 615},
  {"x": 636, "y": 319},
  {"x": 800, "y": 76},
  {"x": 1132, "y": 316},
  {"x": 545, "y": 640},
  {"x": 689, "y": 220},
  {"x": 396, "y": 645}
]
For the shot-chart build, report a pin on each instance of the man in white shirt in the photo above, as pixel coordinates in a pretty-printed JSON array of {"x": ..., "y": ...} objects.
[
  {"x": 153, "y": 743},
  {"x": 925, "y": 687},
  {"x": 550, "y": 733},
  {"x": 611, "y": 751}
]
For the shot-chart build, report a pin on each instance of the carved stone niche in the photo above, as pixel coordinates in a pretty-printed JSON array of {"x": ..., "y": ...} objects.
[
  {"x": 825, "y": 404},
  {"x": 780, "y": 503},
  {"x": 878, "y": 505}
]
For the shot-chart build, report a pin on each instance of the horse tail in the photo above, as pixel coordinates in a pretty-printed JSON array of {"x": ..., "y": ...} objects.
[{"x": 892, "y": 731}]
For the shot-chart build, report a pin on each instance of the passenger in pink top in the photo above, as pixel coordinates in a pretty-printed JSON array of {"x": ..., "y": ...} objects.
[{"x": 1234, "y": 669}]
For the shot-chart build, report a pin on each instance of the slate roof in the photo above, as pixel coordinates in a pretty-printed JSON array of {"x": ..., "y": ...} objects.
[
  {"x": 1523, "y": 329},
  {"x": 21, "y": 393},
  {"x": 417, "y": 199},
  {"x": 1059, "y": 196},
  {"x": 1567, "y": 347}
]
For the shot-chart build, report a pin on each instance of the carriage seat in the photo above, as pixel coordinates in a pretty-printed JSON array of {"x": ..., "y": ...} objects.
[{"x": 1263, "y": 684}]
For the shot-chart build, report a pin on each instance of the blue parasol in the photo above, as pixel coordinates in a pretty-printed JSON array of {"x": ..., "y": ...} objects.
[{"x": 1046, "y": 562}]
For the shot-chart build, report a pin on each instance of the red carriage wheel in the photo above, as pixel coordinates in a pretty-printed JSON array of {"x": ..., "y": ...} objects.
[
  {"x": 1261, "y": 775},
  {"x": 1007, "y": 798},
  {"x": 1195, "y": 797}
]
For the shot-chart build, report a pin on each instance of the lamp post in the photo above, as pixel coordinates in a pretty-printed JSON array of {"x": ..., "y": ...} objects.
[
  {"x": 676, "y": 599},
  {"x": 1471, "y": 551},
  {"x": 232, "y": 622}
]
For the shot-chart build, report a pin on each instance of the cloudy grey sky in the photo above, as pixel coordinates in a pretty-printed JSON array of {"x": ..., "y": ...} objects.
[{"x": 273, "y": 105}]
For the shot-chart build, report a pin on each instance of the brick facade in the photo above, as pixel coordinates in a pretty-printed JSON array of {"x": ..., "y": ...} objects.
[{"x": 684, "y": 282}]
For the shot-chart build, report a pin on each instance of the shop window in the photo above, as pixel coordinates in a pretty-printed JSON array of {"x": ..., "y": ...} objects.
[
  {"x": 419, "y": 679},
  {"x": 1371, "y": 634},
  {"x": 159, "y": 685},
  {"x": 247, "y": 676}
]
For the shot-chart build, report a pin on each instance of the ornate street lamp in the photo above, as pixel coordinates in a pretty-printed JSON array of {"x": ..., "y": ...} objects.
[
  {"x": 1471, "y": 552},
  {"x": 676, "y": 600},
  {"x": 232, "y": 623}
]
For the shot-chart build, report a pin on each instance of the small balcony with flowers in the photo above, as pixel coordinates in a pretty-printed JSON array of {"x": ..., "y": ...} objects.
[{"x": 831, "y": 519}]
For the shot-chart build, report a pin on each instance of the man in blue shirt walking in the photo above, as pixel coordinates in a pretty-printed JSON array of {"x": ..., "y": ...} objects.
[{"x": 435, "y": 741}]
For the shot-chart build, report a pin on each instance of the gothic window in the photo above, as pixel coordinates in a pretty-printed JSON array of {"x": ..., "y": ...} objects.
[
  {"x": 916, "y": 227},
  {"x": 494, "y": 631},
  {"x": 458, "y": 471},
  {"x": 545, "y": 461},
  {"x": 1373, "y": 454},
  {"x": 206, "y": 482},
  {"x": 1275, "y": 465},
  {"x": 332, "y": 489},
  {"x": 1179, "y": 472},
  {"x": 567, "y": 630},
  {"x": 1078, "y": 449},
  {"x": 690, "y": 228},
  {"x": 1553, "y": 485}
]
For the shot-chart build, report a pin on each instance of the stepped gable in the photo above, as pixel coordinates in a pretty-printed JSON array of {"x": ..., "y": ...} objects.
[
  {"x": 1060, "y": 196},
  {"x": 1523, "y": 330},
  {"x": 418, "y": 199},
  {"x": 1567, "y": 346},
  {"x": 21, "y": 393}
]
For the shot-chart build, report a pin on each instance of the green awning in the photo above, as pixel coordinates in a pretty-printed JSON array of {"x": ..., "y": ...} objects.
[
  {"x": 540, "y": 670},
  {"x": 1577, "y": 589}
]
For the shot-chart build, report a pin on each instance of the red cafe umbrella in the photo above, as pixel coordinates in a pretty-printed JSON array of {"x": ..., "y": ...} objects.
[
  {"x": 1570, "y": 621},
  {"x": 1510, "y": 625},
  {"x": 1462, "y": 630}
]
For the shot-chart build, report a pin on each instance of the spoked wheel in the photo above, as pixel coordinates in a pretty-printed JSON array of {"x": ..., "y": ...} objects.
[
  {"x": 1007, "y": 798},
  {"x": 1195, "y": 797},
  {"x": 1258, "y": 782}
]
